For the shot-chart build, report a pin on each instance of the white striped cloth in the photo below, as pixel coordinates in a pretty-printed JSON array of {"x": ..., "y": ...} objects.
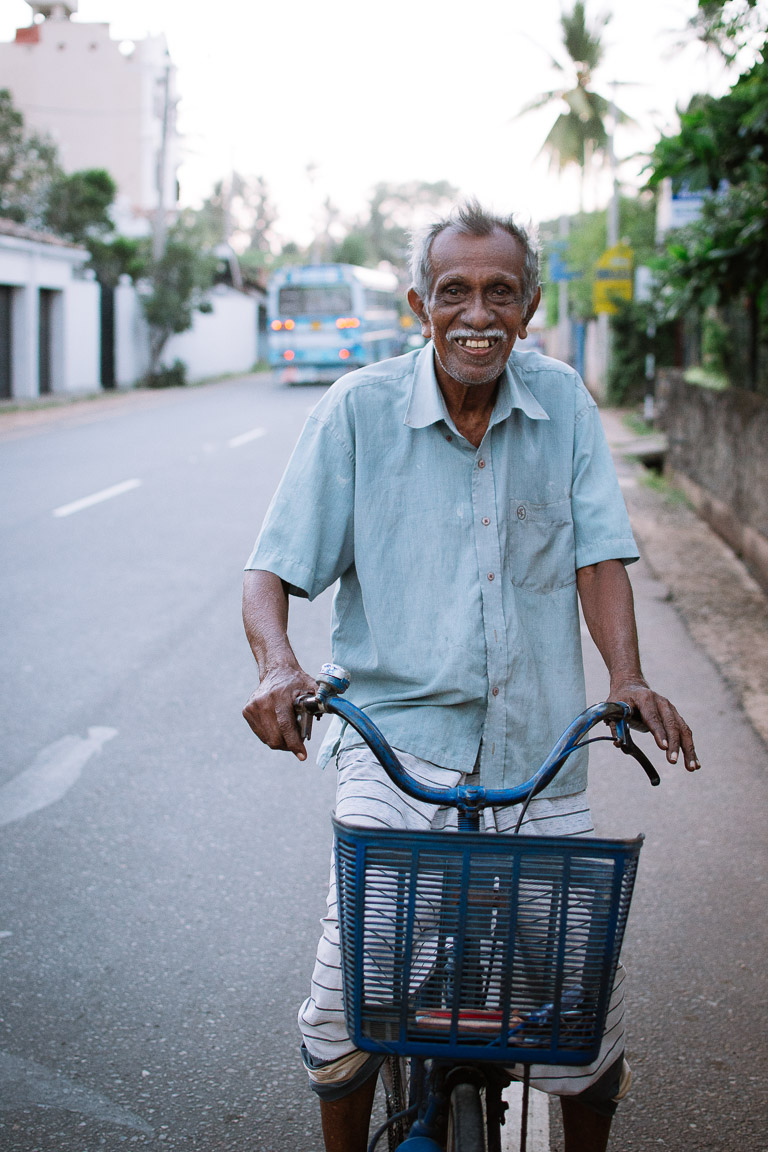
[{"x": 366, "y": 797}]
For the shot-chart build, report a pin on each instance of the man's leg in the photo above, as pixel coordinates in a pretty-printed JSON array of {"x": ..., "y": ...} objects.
[
  {"x": 346, "y": 1121},
  {"x": 364, "y": 796},
  {"x": 587, "y": 1117},
  {"x": 584, "y": 1129}
]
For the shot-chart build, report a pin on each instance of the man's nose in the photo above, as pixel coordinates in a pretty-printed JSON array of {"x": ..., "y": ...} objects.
[{"x": 477, "y": 312}]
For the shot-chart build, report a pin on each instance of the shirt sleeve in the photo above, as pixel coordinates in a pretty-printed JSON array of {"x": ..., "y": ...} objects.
[
  {"x": 307, "y": 535},
  {"x": 601, "y": 525}
]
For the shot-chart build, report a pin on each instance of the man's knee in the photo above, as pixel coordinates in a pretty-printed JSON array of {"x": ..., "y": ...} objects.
[
  {"x": 334, "y": 1079},
  {"x": 604, "y": 1095}
]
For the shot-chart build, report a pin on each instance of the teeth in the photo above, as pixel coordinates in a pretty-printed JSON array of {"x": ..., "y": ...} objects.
[{"x": 475, "y": 343}]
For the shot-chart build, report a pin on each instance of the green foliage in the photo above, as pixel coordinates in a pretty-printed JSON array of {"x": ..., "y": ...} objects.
[
  {"x": 120, "y": 256},
  {"x": 28, "y": 166},
  {"x": 78, "y": 206},
  {"x": 169, "y": 376},
  {"x": 579, "y": 132},
  {"x": 353, "y": 249},
  {"x": 587, "y": 242},
  {"x": 728, "y": 25},
  {"x": 176, "y": 286},
  {"x": 636, "y": 332},
  {"x": 723, "y": 139},
  {"x": 719, "y": 261}
]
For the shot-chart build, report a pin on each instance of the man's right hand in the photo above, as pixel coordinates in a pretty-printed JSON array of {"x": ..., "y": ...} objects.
[{"x": 271, "y": 711}]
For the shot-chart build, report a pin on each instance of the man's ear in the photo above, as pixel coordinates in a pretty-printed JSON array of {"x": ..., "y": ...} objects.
[
  {"x": 530, "y": 312},
  {"x": 418, "y": 308}
]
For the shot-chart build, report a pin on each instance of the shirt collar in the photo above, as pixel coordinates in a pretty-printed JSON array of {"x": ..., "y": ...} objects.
[{"x": 426, "y": 404}]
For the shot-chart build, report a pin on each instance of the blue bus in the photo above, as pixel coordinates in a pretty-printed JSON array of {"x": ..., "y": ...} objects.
[{"x": 326, "y": 319}]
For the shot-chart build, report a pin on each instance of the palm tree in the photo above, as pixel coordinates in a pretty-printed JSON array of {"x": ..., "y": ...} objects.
[{"x": 579, "y": 132}]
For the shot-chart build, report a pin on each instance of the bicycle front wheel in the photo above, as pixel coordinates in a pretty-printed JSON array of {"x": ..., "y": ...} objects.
[{"x": 466, "y": 1124}]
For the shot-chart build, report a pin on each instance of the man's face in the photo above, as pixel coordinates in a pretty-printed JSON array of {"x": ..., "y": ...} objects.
[{"x": 474, "y": 313}]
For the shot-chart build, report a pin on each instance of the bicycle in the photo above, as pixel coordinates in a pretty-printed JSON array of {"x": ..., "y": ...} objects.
[{"x": 468, "y": 953}]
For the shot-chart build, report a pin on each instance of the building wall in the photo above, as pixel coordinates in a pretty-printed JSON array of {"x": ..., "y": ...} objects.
[
  {"x": 103, "y": 109},
  {"x": 718, "y": 455},
  {"x": 81, "y": 337},
  {"x": 29, "y": 267},
  {"x": 220, "y": 342}
]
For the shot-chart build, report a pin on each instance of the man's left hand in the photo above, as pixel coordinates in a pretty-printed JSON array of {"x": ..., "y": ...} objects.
[{"x": 655, "y": 714}]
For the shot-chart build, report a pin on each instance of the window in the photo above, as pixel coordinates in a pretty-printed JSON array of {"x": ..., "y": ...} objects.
[{"x": 315, "y": 300}]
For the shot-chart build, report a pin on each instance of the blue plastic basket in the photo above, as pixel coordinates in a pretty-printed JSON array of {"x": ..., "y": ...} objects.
[{"x": 473, "y": 946}]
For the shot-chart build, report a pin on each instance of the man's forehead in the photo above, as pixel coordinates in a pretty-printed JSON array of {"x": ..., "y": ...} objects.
[{"x": 455, "y": 252}]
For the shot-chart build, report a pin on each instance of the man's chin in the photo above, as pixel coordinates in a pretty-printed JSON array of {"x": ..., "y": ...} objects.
[{"x": 471, "y": 376}]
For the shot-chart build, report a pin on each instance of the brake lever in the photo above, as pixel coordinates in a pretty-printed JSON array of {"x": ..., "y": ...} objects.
[
  {"x": 629, "y": 748},
  {"x": 304, "y": 715}
]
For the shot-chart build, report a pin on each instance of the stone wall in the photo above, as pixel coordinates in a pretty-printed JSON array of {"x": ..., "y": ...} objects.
[{"x": 718, "y": 455}]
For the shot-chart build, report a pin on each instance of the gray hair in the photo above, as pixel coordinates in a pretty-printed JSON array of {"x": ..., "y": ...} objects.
[{"x": 471, "y": 219}]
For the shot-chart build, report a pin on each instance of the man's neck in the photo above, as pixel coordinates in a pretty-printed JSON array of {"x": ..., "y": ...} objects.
[{"x": 469, "y": 406}]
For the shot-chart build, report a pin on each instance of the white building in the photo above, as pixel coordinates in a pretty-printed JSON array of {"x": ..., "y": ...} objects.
[
  {"x": 49, "y": 315},
  {"x": 106, "y": 105}
]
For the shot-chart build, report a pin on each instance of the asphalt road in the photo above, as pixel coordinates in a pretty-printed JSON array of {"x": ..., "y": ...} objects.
[{"x": 163, "y": 874}]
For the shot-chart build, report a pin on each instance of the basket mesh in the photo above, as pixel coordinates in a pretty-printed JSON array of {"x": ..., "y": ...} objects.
[{"x": 472, "y": 946}]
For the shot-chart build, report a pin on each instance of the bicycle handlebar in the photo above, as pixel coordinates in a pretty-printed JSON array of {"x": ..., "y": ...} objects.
[{"x": 333, "y": 680}]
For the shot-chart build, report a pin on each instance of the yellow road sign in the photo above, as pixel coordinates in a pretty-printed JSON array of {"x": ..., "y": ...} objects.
[{"x": 613, "y": 278}]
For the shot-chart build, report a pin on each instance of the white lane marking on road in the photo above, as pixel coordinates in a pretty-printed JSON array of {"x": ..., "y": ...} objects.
[
  {"x": 96, "y": 498},
  {"x": 538, "y": 1120},
  {"x": 51, "y": 775},
  {"x": 246, "y": 437},
  {"x": 24, "y": 1084}
]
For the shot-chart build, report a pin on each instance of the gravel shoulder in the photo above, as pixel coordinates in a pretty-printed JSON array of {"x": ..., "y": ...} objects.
[{"x": 723, "y": 607}]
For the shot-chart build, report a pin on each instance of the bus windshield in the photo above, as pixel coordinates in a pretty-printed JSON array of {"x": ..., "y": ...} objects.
[{"x": 315, "y": 300}]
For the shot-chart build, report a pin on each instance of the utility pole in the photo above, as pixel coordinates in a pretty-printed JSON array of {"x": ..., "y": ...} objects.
[{"x": 160, "y": 228}]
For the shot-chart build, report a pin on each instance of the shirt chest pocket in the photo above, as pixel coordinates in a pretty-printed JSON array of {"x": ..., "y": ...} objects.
[{"x": 540, "y": 545}]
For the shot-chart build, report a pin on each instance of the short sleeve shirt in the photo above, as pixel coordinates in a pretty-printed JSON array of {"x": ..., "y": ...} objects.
[{"x": 456, "y": 610}]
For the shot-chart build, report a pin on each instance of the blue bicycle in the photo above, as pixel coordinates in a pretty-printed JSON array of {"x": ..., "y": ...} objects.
[{"x": 470, "y": 953}]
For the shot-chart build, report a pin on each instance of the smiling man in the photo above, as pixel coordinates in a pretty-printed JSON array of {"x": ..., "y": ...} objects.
[{"x": 464, "y": 498}]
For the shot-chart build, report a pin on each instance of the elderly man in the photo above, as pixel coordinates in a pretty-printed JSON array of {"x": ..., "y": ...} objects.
[{"x": 464, "y": 498}]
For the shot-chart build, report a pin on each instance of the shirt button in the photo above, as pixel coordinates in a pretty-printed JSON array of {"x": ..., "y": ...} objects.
[
  {"x": 495, "y": 691},
  {"x": 486, "y": 521},
  {"x": 481, "y": 463},
  {"x": 491, "y": 576},
  {"x": 449, "y": 438},
  {"x": 521, "y": 513}
]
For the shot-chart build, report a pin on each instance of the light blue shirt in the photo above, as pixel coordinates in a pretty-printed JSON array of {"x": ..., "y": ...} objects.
[{"x": 456, "y": 611}]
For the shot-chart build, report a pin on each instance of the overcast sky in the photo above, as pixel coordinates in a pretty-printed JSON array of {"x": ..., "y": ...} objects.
[{"x": 405, "y": 89}]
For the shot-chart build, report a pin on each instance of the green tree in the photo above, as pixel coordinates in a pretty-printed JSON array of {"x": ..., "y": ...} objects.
[
  {"x": 729, "y": 25},
  {"x": 174, "y": 287},
  {"x": 579, "y": 133},
  {"x": 28, "y": 166},
  {"x": 719, "y": 261},
  {"x": 78, "y": 205}
]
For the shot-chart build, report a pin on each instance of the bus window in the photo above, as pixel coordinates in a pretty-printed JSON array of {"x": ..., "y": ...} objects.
[{"x": 315, "y": 300}]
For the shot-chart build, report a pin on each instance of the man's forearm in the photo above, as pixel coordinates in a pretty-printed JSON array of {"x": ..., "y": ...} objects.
[
  {"x": 265, "y": 616},
  {"x": 270, "y": 712},
  {"x": 609, "y": 610}
]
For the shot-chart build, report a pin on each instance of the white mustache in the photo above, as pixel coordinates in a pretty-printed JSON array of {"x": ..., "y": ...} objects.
[{"x": 471, "y": 334}]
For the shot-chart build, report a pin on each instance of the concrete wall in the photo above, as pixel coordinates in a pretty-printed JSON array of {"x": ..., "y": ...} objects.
[
  {"x": 218, "y": 343},
  {"x": 131, "y": 339},
  {"x": 718, "y": 455}
]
